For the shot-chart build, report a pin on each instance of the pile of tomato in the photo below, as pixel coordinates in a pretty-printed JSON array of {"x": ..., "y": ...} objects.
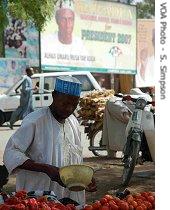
[
  {"x": 20, "y": 201},
  {"x": 140, "y": 201}
]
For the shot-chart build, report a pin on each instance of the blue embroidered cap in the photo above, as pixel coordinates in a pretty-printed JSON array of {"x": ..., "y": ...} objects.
[{"x": 68, "y": 85}]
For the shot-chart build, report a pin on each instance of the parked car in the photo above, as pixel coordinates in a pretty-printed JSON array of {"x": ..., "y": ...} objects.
[{"x": 10, "y": 100}]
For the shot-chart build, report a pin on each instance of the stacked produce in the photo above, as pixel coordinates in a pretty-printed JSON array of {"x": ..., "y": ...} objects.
[
  {"x": 140, "y": 201},
  {"x": 21, "y": 201},
  {"x": 92, "y": 105}
]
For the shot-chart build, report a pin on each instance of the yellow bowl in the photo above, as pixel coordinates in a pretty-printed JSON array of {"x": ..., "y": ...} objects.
[{"x": 76, "y": 177}]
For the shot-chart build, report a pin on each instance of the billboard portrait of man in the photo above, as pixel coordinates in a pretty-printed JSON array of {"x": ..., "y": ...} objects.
[
  {"x": 63, "y": 45},
  {"x": 145, "y": 67},
  {"x": 64, "y": 17}
]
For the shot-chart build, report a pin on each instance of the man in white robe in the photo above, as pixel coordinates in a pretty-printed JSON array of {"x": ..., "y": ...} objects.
[
  {"x": 48, "y": 139},
  {"x": 26, "y": 104}
]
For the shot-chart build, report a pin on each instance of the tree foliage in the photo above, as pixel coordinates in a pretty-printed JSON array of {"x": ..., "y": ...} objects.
[
  {"x": 3, "y": 16},
  {"x": 35, "y": 11},
  {"x": 146, "y": 9}
]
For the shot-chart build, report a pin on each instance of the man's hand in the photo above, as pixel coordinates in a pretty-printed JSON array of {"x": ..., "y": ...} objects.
[
  {"x": 53, "y": 173},
  {"x": 92, "y": 186}
]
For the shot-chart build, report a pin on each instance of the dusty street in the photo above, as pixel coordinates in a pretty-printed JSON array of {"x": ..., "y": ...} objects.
[{"x": 108, "y": 177}]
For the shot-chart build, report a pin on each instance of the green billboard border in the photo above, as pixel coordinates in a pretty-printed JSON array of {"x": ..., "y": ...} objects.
[{"x": 90, "y": 69}]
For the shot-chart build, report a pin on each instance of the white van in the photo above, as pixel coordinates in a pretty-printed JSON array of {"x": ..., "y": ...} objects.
[{"x": 10, "y": 100}]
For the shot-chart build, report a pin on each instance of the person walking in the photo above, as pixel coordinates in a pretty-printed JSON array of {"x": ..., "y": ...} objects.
[{"x": 26, "y": 105}]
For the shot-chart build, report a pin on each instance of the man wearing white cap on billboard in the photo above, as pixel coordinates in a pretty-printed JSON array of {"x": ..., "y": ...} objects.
[
  {"x": 62, "y": 47},
  {"x": 48, "y": 139},
  {"x": 65, "y": 20}
]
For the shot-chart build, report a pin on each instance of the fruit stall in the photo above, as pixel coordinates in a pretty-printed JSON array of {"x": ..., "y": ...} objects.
[{"x": 47, "y": 201}]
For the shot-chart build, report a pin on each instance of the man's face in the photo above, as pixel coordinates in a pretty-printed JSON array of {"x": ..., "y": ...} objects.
[
  {"x": 65, "y": 21},
  {"x": 13, "y": 64},
  {"x": 64, "y": 105}
]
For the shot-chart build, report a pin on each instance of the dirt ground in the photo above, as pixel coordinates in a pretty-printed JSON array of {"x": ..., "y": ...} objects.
[{"x": 108, "y": 177}]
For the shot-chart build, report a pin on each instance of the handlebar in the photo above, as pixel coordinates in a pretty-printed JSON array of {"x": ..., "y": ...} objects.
[{"x": 129, "y": 98}]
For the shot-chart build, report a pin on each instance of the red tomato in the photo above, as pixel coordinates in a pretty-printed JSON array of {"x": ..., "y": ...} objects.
[
  {"x": 42, "y": 199},
  {"x": 123, "y": 205},
  {"x": 151, "y": 193},
  {"x": 112, "y": 202},
  {"x": 88, "y": 207},
  {"x": 96, "y": 205},
  {"x": 134, "y": 204},
  {"x": 105, "y": 207},
  {"x": 139, "y": 208},
  {"x": 19, "y": 207},
  {"x": 108, "y": 197},
  {"x": 131, "y": 207},
  {"x": 13, "y": 200},
  {"x": 144, "y": 194},
  {"x": 21, "y": 194},
  {"x": 151, "y": 199},
  {"x": 71, "y": 206},
  {"x": 68, "y": 207},
  {"x": 113, "y": 205},
  {"x": 60, "y": 206},
  {"x": 116, "y": 200},
  {"x": 144, "y": 207},
  {"x": 103, "y": 201},
  {"x": 129, "y": 199},
  {"x": 140, "y": 197},
  {"x": 148, "y": 205},
  {"x": 139, "y": 201},
  {"x": 4, "y": 207}
]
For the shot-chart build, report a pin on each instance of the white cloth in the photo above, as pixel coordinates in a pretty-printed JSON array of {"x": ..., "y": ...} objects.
[
  {"x": 115, "y": 122},
  {"x": 149, "y": 74},
  {"x": 53, "y": 52},
  {"x": 114, "y": 125},
  {"x": 42, "y": 139}
]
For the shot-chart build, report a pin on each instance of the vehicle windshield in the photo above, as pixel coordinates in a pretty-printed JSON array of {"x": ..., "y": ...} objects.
[{"x": 12, "y": 87}]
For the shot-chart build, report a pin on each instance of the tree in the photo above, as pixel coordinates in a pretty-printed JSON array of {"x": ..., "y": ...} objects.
[
  {"x": 35, "y": 11},
  {"x": 146, "y": 9}
]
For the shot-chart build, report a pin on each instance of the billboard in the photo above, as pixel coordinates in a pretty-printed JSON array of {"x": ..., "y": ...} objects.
[
  {"x": 98, "y": 36},
  {"x": 145, "y": 53},
  {"x": 22, "y": 41},
  {"x": 11, "y": 71}
]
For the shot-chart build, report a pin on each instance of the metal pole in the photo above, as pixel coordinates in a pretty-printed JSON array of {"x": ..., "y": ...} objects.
[
  {"x": 39, "y": 38},
  {"x": 5, "y": 4}
]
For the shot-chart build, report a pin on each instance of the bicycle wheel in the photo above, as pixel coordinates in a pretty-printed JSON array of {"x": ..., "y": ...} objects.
[
  {"x": 95, "y": 141},
  {"x": 130, "y": 162}
]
